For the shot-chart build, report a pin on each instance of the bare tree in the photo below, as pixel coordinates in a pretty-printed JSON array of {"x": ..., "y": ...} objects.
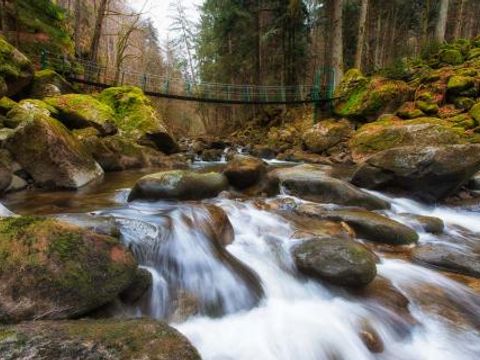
[
  {"x": 97, "y": 32},
  {"x": 337, "y": 40}
]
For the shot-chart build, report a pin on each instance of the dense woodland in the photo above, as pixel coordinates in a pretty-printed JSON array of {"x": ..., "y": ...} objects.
[{"x": 272, "y": 42}]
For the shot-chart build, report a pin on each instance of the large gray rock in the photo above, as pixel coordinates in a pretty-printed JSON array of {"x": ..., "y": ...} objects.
[
  {"x": 327, "y": 134},
  {"x": 338, "y": 261},
  {"x": 309, "y": 182},
  {"x": 50, "y": 154},
  {"x": 368, "y": 225},
  {"x": 16, "y": 71},
  {"x": 429, "y": 173},
  {"x": 94, "y": 340},
  {"x": 179, "y": 185},
  {"x": 244, "y": 171}
]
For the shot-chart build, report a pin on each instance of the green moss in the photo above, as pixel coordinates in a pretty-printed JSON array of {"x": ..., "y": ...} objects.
[
  {"x": 457, "y": 84},
  {"x": 474, "y": 54},
  {"x": 6, "y": 104},
  {"x": 427, "y": 108},
  {"x": 464, "y": 103},
  {"x": 463, "y": 121},
  {"x": 409, "y": 111},
  {"x": 12, "y": 62},
  {"x": 475, "y": 112},
  {"x": 451, "y": 57}
]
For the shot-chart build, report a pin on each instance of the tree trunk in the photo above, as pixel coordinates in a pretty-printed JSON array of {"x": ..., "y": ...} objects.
[
  {"x": 337, "y": 40},
  {"x": 361, "y": 34},
  {"x": 442, "y": 21},
  {"x": 457, "y": 30},
  {"x": 97, "y": 33},
  {"x": 78, "y": 26}
]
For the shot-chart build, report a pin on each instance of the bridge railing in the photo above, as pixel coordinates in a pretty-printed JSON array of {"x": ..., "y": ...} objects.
[{"x": 174, "y": 87}]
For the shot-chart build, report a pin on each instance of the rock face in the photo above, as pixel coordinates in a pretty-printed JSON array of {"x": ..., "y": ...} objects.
[
  {"x": 339, "y": 261},
  {"x": 94, "y": 340},
  {"x": 16, "y": 71},
  {"x": 310, "y": 183},
  {"x": 390, "y": 132},
  {"x": 368, "y": 225},
  {"x": 50, "y": 154},
  {"x": 365, "y": 99},
  {"x": 136, "y": 117},
  {"x": 327, "y": 134},
  {"x": 179, "y": 185},
  {"x": 429, "y": 173},
  {"x": 244, "y": 171},
  {"x": 55, "y": 270},
  {"x": 83, "y": 111},
  {"x": 48, "y": 83},
  {"x": 449, "y": 258},
  {"x": 115, "y": 153}
]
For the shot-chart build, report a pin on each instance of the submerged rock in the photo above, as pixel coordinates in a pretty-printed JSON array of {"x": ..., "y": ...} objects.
[
  {"x": 244, "y": 171},
  {"x": 78, "y": 111},
  {"x": 94, "y": 340},
  {"x": 430, "y": 173},
  {"x": 429, "y": 224},
  {"x": 50, "y": 154},
  {"x": 311, "y": 183},
  {"x": 339, "y": 261},
  {"x": 449, "y": 258},
  {"x": 179, "y": 185},
  {"x": 55, "y": 270},
  {"x": 136, "y": 117},
  {"x": 368, "y": 225}
]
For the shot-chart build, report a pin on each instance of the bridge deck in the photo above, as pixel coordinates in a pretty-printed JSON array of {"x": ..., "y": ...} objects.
[{"x": 181, "y": 89}]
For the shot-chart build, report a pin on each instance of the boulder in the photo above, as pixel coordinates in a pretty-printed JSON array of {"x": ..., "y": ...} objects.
[
  {"x": 457, "y": 85},
  {"x": 365, "y": 99},
  {"x": 451, "y": 57},
  {"x": 449, "y": 258},
  {"x": 95, "y": 339},
  {"x": 366, "y": 224},
  {"x": 428, "y": 173},
  {"x": 55, "y": 270},
  {"x": 178, "y": 185},
  {"x": 475, "y": 112},
  {"x": 47, "y": 83},
  {"x": 327, "y": 134},
  {"x": 140, "y": 285},
  {"x": 338, "y": 261},
  {"x": 311, "y": 183},
  {"x": 474, "y": 182},
  {"x": 244, "y": 171},
  {"x": 429, "y": 224},
  {"x": 115, "y": 153},
  {"x": 212, "y": 155},
  {"x": 50, "y": 154},
  {"x": 263, "y": 152},
  {"x": 390, "y": 132},
  {"x": 16, "y": 71},
  {"x": 409, "y": 111},
  {"x": 77, "y": 111},
  {"x": 136, "y": 117},
  {"x": 27, "y": 109},
  {"x": 218, "y": 225},
  {"x": 6, "y": 104}
]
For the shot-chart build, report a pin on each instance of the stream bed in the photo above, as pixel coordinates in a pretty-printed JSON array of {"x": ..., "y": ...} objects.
[{"x": 211, "y": 296}]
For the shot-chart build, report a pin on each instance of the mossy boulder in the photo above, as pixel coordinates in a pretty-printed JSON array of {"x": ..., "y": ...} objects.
[
  {"x": 338, "y": 261},
  {"x": 459, "y": 84},
  {"x": 390, "y": 132},
  {"x": 136, "y": 117},
  {"x": 6, "y": 104},
  {"x": 367, "y": 225},
  {"x": 365, "y": 100},
  {"x": 78, "y": 111},
  {"x": 327, "y": 134},
  {"x": 54, "y": 270},
  {"x": 427, "y": 173},
  {"x": 311, "y": 183},
  {"x": 94, "y": 340},
  {"x": 49, "y": 153},
  {"x": 16, "y": 70},
  {"x": 48, "y": 83},
  {"x": 26, "y": 110},
  {"x": 451, "y": 57},
  {"x": 179, "y": 185},
  {"x": 428, "y": 107},
  {"x": 409, "y": 111},
  {"x": 475, "y": 112},
  {"x": 474, "y": 53},
  {"x": 463, "y": 121},
  {"x": 115, "y": 153},
  {"x": 463, "y": 102},
  {"x": 245, "y": 171}
]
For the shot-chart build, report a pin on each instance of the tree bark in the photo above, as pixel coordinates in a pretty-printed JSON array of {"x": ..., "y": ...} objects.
[
  {"x": 441, "y": 27},
  {"x": 457, "y": 30},
  {"x": 78, "y": 26},
  {"x": 337, "y": 40},
  {"x": 97, "y": 33},
  {"x": 361, "y": 34}
]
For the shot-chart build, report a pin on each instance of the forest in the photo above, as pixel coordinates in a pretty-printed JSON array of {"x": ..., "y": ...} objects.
[{"x": 240, "y": 179}]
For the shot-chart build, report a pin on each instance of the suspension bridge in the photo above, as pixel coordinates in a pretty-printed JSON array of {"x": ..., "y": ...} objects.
[{"x": 93, "y": 74}]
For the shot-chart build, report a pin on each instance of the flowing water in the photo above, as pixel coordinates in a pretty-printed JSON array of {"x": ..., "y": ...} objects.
[{"x": 210, "y": 295}]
